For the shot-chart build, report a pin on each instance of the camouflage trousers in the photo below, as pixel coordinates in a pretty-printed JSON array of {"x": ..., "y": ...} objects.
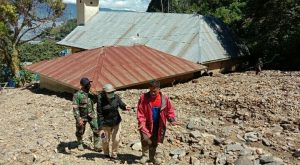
[{"x": 80, "y": 129}]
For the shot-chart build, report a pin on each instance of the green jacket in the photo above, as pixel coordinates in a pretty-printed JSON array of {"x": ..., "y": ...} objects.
[{"x": 83, "y": 105}]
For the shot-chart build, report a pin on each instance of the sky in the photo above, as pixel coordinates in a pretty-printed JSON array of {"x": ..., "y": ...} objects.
[{"x": 136, "y": 5}]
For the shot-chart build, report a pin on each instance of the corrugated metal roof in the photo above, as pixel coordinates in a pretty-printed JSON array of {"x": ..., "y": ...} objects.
[
  {"x": 122, "y": 66},
  {"x": 196, "y": 38}
]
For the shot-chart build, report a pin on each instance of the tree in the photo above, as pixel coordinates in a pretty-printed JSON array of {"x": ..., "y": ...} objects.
[
  {"x": 18, "y": 18},
  {"x": 270, "y": 28},
  {"x": 229, "y": 11},
  {"x": 46, "y": 50},
  {"x": 62, "y": 31}
]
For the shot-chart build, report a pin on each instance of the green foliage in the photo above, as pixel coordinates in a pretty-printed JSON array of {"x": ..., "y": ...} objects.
[
  {"x": 37, "y": 52},
  {"x": 230, "y": 14},
  {"x": 18, "y": 18},
  {"x": 270, "y": 28},
  {"x": 228, "y": 10},
  {"x": 61, "y": 32}
]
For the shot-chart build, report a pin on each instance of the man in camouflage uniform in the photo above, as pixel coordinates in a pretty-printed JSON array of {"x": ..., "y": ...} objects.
[{"x": 83, "y": 108}]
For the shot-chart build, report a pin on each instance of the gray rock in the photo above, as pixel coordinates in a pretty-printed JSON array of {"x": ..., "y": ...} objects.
[
  {"x": 234, "y": 147},
  {"x": 277, "y": 128},
  {"x": 251, "y": 136},
  {"x": 274, "y": 163},
  {"x": 194, "y": 161},
  {"x": 175, "y": 157},
  {"x": 221, "y": 159},
  {"x": 219, "y": 141},
  {"x": 137, "y": 146},
  {"x": 256, "y": 162},
  {"x": 243, "y": 160},
  {"x": 190, "y": 125},
  {"x": 179, "y": 152},
  {"x": 266, "y": 142},
  {"x": 227, "y": 131},
  {"x": 266, "y": 159},
  {"x": 270, "y": 159},
  {"x": 237, "y": 121},
  {"x": 245, "y": 152},
  {"x": 195, "y": 134},
  {"x": 240, "y": 137}
]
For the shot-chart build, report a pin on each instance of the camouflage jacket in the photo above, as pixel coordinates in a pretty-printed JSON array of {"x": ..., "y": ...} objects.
[{"x": 83, "y": 105}]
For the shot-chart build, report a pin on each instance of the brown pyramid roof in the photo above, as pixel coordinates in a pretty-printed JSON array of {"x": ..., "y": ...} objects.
[{"x": 121, "y": 66}]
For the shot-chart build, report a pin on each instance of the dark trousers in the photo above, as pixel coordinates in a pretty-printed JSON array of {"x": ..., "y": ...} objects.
[
  {"x": 150, "y": 148},
  {"x": 80, "y": 129}
]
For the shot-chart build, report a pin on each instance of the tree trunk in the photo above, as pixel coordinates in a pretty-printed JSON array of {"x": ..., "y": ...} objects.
[
  {"x": 162, "y": 5},
  {"x": 168, "y": 6},
  {"x": 15, "y": 61}
]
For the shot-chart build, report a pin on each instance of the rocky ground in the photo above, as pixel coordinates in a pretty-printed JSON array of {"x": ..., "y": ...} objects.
[{"x": 237, "y": 118}]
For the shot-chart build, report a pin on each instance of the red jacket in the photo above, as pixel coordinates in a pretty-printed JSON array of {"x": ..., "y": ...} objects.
[{"x": 144, "y": 115}]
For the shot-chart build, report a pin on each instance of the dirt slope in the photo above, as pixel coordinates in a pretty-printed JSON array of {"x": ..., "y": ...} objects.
[{"x": 229, "y": 117}]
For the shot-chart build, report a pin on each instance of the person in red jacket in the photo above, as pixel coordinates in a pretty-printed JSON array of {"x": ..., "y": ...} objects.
[{"x": 153, "y": 110}]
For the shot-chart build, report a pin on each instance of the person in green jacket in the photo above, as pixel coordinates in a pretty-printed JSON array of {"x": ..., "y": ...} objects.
[{"x": 84, "y": 112}]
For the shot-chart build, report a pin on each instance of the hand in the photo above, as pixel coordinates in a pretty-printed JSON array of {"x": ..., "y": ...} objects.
[
  {"x": 128, "y": 108},
  {"x": 81, "y": 122},
  {"x": 173, "y": 123},
  {"x": 146, "y": 139},
  {"x": 102, "y": 133}
]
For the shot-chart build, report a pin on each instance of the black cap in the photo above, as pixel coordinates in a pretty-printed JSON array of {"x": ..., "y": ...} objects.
[
  {"x": 85, "y": 81},
  {"x": 154, "y": 83}
]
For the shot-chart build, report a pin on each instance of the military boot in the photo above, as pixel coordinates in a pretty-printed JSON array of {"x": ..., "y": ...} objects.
[
  {"x": 80, "y": 144},
  {"x": 152, "y": 155},
  {"x": 97, "y": 144},
  {"x": 144, "y": 158}
]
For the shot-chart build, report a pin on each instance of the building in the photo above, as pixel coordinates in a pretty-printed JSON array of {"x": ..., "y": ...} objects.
[
  {"x": 121, "y": 66},
  {"x": 199, "y": 39}
]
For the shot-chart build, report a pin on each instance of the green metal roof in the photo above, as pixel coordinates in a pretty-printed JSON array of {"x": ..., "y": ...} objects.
[{"x": 196, "y": 38}]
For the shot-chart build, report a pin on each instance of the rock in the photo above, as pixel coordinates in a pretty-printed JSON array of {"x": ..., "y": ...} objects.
[
  {"x": 34, "y": 157},
  {"x": 221, "y": 159},
  {"x": 228, "y": 141},
  {"x": 219, "y": 141},
  {"x": 182, "y": 138},
  {"x": 266, "y": 142},
  {"x": 270, "y": 159},
  {"x": 195, "y": 134},
  {"x": 240, "y": 137},
  {"x": 277, "y": 128},
  {"x": 273, "y": 163},
  {"x": 251, "y": 136},
  {"x": 67, "y": 150},
  {"x": 175, "y": 157},
  {"x": 194, "y": 161},
  {"x": 208, "y": 138},
  {"x": 259, "y": 151},
  {"x": 243, "y": 160},
  {"x": 190, "y": 125},
  {"x": 256, "y": 162},
  {"x": 237, "y": 121},
  {"x": 179, "y": 152},
  {"x": 245, "y": 152},
  {"x": 234, "y": 147},
  {"x": 296, "y": 154},
  {"x": 137, "y": 146}
]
